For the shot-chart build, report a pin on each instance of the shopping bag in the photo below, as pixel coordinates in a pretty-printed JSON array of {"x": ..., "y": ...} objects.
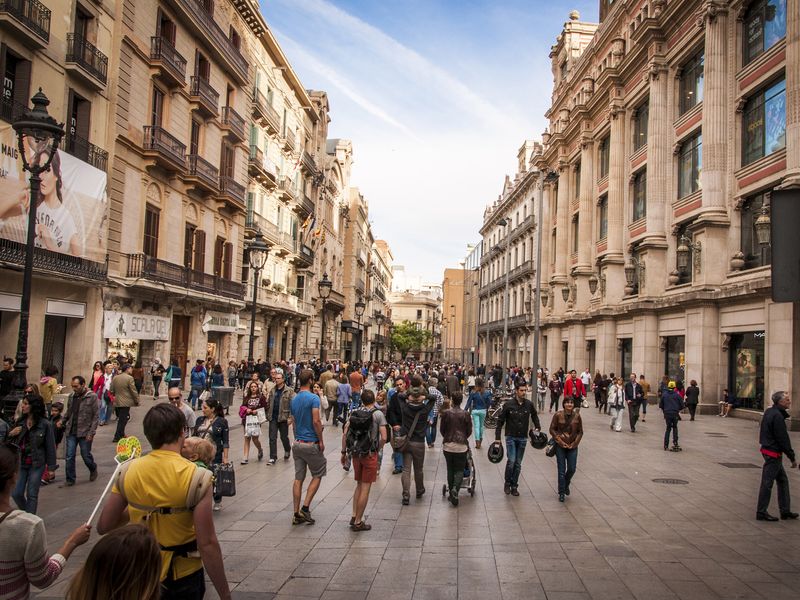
[
  {"x": 585, "y": 403},
  {"x": 252, "y": 428},
  {"x": 262, "y": 415},
  {"x": 224, "y": 480}
]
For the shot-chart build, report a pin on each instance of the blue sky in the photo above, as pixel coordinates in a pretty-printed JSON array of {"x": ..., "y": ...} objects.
[{"x": 437, "y": 97}]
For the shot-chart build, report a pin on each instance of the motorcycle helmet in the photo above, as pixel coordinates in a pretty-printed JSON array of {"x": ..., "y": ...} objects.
[
  {"x": 496, "y": 452},
  {"x": 538, "y": 439}
]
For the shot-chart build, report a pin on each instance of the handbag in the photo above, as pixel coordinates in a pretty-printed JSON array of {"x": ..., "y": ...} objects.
[
  {"x": 551, "y": 448},
  {"x": 252, "y": 427},
  {"x": 205, "y": 395},
  {"x": 585, "y": 403},
  {"x": 262, "y": 415},
  {"x": 224, "y": 480},
  {"x": 400, "y": 441}
]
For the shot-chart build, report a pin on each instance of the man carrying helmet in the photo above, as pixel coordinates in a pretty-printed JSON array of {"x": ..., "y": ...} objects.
[{"x": 516, "y": 415}]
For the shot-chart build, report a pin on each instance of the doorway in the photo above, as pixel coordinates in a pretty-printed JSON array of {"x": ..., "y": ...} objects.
[{"x": 180, "y": 340}]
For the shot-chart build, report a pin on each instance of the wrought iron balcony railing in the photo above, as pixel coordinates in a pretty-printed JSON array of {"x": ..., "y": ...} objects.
[
  {"x": 161, "y": 50},
  {"x": 32, "y": 14},
  {"x": 86, "y": 151},
  {"x": 81, "y": 52},
  {"x": 53, "y": 262},
  {"x": 141, "y": 266}
]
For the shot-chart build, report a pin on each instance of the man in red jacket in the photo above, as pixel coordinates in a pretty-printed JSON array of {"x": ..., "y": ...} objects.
[{"x": 573, "y": 388}]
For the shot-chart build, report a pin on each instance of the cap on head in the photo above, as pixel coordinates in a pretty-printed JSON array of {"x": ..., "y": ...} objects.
[{"x": 671, "y": 385}]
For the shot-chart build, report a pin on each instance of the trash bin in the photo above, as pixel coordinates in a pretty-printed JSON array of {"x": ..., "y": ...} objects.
[{"x": 223, "y": 395}]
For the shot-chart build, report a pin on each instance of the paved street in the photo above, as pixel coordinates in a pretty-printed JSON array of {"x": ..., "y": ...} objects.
[{"x": 619, "y": 535}]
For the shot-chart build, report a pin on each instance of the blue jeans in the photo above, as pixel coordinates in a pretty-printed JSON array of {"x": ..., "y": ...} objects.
[
  {"x": 515, "y": 449},
  {"x": 478, "y": 418},
  {"x": 567, "y": 461},
  {"x": 86, "y": 454},
  {"x": 398, "y": 460},
  {"x": 194, "y": 395},
  {"x": 105, "y": 411},
  {"x": 26, "y": 494},
  {"x": 430, "y": 430}
]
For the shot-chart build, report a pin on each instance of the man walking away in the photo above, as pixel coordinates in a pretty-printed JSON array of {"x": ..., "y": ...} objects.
[
  {"x": 198, "y": 379},
  {"x": 172, "y": 498},
  {"x": 175, "y": 375},
  {"x": 671, "y": 404},
  {"x": 309, "y": 447},
  {"x": 775, "y": 442},
  {"x": 331, "y": 388},
  {"x": 363, "y": 435},
  {"x": 80, "y": 426},
  {"x": 279, "y": 401},
  {"x": 633, "y": 398},
  {"x": 515, "y": 416},
  {"x": 123, "y": 387}
]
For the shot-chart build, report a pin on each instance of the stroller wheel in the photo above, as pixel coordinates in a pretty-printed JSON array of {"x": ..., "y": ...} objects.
[
  {"x": 472, "y": 491},
  {"x": 444, "y": 490}
]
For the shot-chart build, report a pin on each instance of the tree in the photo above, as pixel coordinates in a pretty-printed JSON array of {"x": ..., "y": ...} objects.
[{"x": 407, "y": 336}]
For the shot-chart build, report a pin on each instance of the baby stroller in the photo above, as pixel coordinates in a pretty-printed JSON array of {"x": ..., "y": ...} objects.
[{"x": 470, "y": 476}]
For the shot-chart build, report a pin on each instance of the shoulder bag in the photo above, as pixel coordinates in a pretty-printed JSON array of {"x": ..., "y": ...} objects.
[
  {"x": 400, "y": 440},
  {"x": 551, "y": 447},
  {"x": 224, "y": 479}
]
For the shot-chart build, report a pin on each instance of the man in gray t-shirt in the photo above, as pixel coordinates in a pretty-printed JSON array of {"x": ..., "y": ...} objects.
[{"x": 365, "y": 466}]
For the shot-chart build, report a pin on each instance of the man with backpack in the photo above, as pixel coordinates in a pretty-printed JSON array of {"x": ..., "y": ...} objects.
[{"x": 363, "y": 435}]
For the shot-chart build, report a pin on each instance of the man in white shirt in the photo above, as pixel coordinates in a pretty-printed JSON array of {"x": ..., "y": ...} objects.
[{"x": 586, "y": 378}]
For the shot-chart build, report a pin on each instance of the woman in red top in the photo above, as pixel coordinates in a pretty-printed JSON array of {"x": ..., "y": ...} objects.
[{"x": 252, "y": 400}]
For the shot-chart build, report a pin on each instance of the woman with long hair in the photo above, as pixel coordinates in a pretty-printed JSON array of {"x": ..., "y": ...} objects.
[
  {"x": 252, "y": 400},
  {"x": 55, "y": 226},
  {"x": 597, "y": 387},
  {"x": 692, "y": 398},
  {"x": 541, "y": 391},
  {"x": 124, "y": 565},
  {"x": 33, "y": 434},
  {"x": 23, "y": 540},
  {"x": 213, "y": 426},
  {"x": 556, "y": 387},
  {"x": 566, "y": 429},
  {"x": 97, "y": 373},
  {"x": 478, "y": 403}
]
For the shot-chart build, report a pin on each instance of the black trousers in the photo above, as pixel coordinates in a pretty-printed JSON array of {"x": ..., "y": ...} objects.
[
  {"x": 633, "y": 413},
  {"x": 191, "y": 587},
  {"x": 456, "y": 461},
  {"x": 672, "y": 425},
  {"x": 123, "y": 416},
  {"x": 276, "y": 427},
  {"x": 692, "y": 409},
  {"x": 773, "y": 471}
]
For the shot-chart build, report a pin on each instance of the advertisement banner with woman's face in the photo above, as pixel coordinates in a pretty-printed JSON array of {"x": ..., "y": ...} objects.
[{"x": 71, "y": 210}]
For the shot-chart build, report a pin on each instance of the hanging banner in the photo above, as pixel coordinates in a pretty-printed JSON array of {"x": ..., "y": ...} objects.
[
  {"x": 132, "y": 326},
  {"x": 71, "y": 210}
]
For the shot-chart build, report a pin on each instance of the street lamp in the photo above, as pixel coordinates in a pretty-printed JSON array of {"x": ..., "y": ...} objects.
[
  {"x": 685, "y": 248},
  {"x": 257, "y": 254},
  {"x": 38, "y": 136},
  {"x": 762, "y": 226},
  {"x": 324, "y": 288},
  {"x": 360, "y": 306}
]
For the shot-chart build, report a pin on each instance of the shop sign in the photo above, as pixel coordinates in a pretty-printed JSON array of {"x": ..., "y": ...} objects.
[
  {"x": 134, "y": 326},
  {"x": 219, "y": 321}
]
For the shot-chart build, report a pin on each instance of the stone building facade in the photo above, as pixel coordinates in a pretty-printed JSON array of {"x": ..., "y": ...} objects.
[
  {"x": 671, "y": 122},
  {"x": 379, "y": 308}
]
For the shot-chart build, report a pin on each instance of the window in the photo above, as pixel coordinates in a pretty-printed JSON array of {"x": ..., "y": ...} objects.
[
  {"x": 194, "y": 138},
  {"x": 746, "y": 361},
  {"x": 165, "y": 28},
  {"x": 188, "y": 245},
  {"x": 199, "y": 260},
  {"x": 640, "y": 126},
  {"x": 150, "y": 242},
  {"x": 236, "y": 41},
  {"x": 16, "y": 73},
  {"x": 577, "y": 180},
  {"x": 563, "y": 70},
  {"x": 764, "y": 126},
  {"x": 157, "y": 108},
  {"x": 764, "y": 26},
  {"x": 691, "y": 83},
  {"x": 419, "y": 314},
  {"x": 202, "y": 68},
  {"x": 227, "y": 160},
  {"x": 755, "y": 255},
  {"x": 690, "y": 165},
  {"x": 640, "y": 195},
  {"x": 602, "y": 218},
  {"x": 552, "y": 249},
  {"x": 575, "y": 225},
  {"x": 77, "y": 140},
  {"x": 604, "y": 156}
]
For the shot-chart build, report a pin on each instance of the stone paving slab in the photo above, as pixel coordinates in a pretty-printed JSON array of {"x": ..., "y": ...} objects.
[{"x": 618, "y": 536}]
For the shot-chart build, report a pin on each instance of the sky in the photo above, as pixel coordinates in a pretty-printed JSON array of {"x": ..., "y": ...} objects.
[{"x": 437, "y": 97}]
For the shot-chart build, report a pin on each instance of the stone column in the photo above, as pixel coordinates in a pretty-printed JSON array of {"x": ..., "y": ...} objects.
[
  {"x": 659, "y": 153},
  {"x": 616, "y": 183},
  {"x": 577, "y": 347},
  {"x": 715, "y": 102},
  {"x": 792, "y": 178},
  {"x": 703, "y": 355},
  {"x": 554, "y": 349},
  {"x": 562, "y": 223},
  {"x": 585, "y": 250}
]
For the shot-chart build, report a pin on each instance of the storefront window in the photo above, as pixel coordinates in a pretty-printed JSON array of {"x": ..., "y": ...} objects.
[
  {"x": 626, "y": 357},
  {"x": 674, "y": 358},
  {"x": 746, "y": 369}
]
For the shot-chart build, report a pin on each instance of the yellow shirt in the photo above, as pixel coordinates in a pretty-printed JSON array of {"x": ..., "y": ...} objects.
[{"x": 162, "y": 478}]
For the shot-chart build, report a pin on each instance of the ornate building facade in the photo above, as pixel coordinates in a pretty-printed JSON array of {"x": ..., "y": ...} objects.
[{"x": 671, "y": 122}]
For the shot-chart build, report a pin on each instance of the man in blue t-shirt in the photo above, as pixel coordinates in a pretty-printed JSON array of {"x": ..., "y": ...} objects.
[{"x": 308, "y": 449}]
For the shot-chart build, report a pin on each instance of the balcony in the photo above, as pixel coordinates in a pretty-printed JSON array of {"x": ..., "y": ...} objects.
[
  {"x": 260, "y": 167},
  {"x": 264, "y": 113},
  {"x": 206, "y": 28},
  {"x": 379, "y": 294},
  {"x": 305, "y": 205},
  {"x": 167, "y": 63},
  {"x": 282, "y": 302},
  {"x": 286, "y": 186},
  {"x": 520, "y": 271},
  {"x": 233, "y": 124},
  {"x": 335, "y": 301},
  {"x": 28, "y": 18},
  {"x": 141, "y": 266},
  {"x": 361, "y": 257},
  {"x": 86, "y": 151},
  {"x": 47, "y": 261},
  {"x": 289, "y": 140},
  {"x": 86, "y": 61},
  {"x": 203, "y": 176},
  {"x": 164, "y": 149},
  {"x": 10, "y": 109},
  {"x": 309, "y": 164},
  {"x": 232, "y": 192},
  {"x": 360, "y": 285},
  {"x": 204, "y": 98},
  {"x": 304, "y": 259},
  {"x": 379, "y": 340},
  {"x": 525, "y": 226}
]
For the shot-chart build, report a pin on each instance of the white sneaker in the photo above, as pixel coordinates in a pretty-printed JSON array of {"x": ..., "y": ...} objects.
[
  {"x": 270, "y": 462},
  {"x": 217, "y": 507},
  {"x": 243, "y": 461}
]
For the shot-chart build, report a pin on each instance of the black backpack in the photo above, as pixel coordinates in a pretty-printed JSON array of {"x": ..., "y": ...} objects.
[{"x": 360, "y": 441}]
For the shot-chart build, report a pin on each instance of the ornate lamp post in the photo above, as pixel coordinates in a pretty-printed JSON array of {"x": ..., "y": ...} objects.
[
  {"x": 324, "y": 288},
  {"x": 38, "y": 136},
  {"x": 257, "y": 254},
  {"x": 360, "y": 306}
]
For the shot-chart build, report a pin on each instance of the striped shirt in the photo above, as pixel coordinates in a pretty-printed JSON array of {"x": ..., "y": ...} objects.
[{"x": 24, "y": 560}]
